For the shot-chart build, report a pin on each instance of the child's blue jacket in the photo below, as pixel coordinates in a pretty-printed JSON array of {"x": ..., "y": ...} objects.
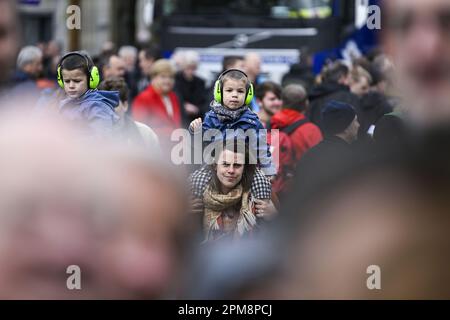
[
  {"x": 94, "y": 109},
  {"x": 248, "y": 120}
]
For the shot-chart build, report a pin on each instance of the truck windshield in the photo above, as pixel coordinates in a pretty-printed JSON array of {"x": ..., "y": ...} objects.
[{"x": 277, "y": 9}]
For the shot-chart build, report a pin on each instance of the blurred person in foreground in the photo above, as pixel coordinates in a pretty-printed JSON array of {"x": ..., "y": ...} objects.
[
  {"x": 415, "y": 35},
  {"x": 113, "y": 211},
  {"x": 388, "y": 213},
  {"x": 9, "y": 42},
  {"x": 55, "y": 209}
]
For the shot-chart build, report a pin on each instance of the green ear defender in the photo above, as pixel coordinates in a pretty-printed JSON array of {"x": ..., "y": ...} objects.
[
  {"x": 94, "y": 75},
  {"x": 250, "y": 94},
  {"x": 218, "y": 91},
  {"x": 218, "y": 87},
  {"x": 59, "y": 77},
  {"x": 94, "y": 78}
]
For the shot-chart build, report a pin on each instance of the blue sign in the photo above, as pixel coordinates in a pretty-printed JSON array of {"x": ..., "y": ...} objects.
[{"x": 30, "y": 2}]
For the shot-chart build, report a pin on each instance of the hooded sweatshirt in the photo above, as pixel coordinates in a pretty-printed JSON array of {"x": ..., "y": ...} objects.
[{"x": 93, "y": 111}]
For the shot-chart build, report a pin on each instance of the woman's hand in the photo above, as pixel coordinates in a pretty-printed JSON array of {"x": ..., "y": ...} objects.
[
  {"x": 197, "y": 206},
  {"x": 196, "y": 124},
  {"x": 265, "y": 209}
]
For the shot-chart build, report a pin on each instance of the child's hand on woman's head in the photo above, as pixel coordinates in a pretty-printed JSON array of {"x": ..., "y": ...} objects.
[{"x": 196, "y": 124}]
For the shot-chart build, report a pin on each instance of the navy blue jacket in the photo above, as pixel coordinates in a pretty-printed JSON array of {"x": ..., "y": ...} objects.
[
  {"x": 94, "y": 111},
  {"x": 248, "y": 120}
]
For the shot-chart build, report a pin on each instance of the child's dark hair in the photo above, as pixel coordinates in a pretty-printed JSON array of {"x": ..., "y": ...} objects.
[
  {"x": 76, "y": 61},
  {"x": 115, "y": 84}
]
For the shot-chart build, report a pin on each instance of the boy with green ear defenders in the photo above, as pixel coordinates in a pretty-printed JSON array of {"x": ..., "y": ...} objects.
[
  {"x": 233, "y": 92},
  {"x": 84, "y": 104}
]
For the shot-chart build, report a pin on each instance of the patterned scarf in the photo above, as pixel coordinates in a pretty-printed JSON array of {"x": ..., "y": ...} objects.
[
  {"x": 216, "y": 204},
  {"x": 227, "y": 115}
]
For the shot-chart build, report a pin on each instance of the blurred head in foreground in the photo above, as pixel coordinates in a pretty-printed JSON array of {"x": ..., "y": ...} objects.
[
  {"x": 391, "y": 213},
  {"x": 114, "y": 213},
  {"x": 9, "y": 42},
  {"x": 416, "y": 35}
]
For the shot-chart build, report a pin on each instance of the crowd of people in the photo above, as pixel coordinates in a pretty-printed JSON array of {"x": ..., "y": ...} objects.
[{"x": 315, "y": 178}]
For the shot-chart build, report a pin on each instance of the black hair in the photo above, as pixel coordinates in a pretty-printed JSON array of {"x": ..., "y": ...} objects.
[
  {"x": 74, "y": 62},
  {"x": 152, "y": 52},
  {"x": 334, "y": 71}
]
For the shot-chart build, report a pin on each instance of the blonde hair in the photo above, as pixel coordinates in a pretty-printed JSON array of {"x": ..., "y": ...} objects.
[
  {"x": 358, "y": 72},
  {"x": 162, "y": 66}
]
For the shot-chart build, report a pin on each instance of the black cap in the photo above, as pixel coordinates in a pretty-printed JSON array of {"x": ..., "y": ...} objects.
[{"x": 336, "y": 117}]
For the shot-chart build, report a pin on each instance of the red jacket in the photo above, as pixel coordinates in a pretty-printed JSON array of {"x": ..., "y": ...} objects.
[
  {"x": 304, "y": 137},
  {"x": 148, "y": 107}
]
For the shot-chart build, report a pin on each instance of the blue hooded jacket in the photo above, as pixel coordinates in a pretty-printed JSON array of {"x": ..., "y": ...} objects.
[
  {"x": 248, "y": 120},
  {"x": 94, "y": 111}
]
